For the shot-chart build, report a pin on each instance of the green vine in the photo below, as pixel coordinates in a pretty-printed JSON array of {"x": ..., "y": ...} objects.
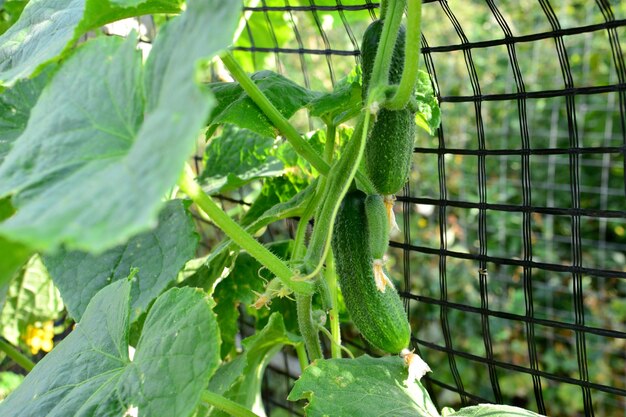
[
  {"x": 411, "y": 57},
  {"x": 189, "y": 186},
  {"x": 17, "y": 356}
]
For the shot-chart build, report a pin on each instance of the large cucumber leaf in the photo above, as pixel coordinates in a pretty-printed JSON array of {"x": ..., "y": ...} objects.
[
  {"x": 89, "y": 170},
  {"x": 90, "y": 371},
  {"x": 31, "y": 298},
  {"x": 48, "y": 27},
  {"x": 158, "y": 255},
  {"x": 15, "y": 106},
  {"x": 365, "y": 387}
]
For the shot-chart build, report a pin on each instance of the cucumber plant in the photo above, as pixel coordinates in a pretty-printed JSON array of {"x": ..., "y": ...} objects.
[{"x": 96, "y": 186}]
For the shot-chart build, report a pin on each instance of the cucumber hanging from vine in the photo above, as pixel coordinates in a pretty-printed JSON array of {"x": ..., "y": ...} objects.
[
  {"x": 390, "y": 143},
  {"x": 379, "y": 316}
]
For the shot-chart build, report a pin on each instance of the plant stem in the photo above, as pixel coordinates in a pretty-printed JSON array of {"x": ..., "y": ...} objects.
[
  {"x": 386, "y": 46},
  {"x": 308, "y": 329},
  {"x": 302, "y": 358},
  {"x": 17, "y": 356},
  {"x": 334, "y": 343},
  {"x": 383, "y": 9},
  {"x": 329, "y": 146},
  {"x": 335, "y": 329},
  {"x": 411, "y": 57},
  {"x": 226, "y": 405},
  {"x": 338, "y": 183},
  {"x": 301, "y": 146},
  {"x": 189, "y": 186}
]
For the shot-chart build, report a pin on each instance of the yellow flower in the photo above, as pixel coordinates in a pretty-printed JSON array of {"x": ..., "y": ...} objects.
[{"x": 39, "y": 336}]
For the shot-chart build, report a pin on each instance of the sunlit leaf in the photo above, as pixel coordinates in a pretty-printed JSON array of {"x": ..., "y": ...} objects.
[
  {"x": 89, "y": 171},
  {"x": 58, "y": 23}
]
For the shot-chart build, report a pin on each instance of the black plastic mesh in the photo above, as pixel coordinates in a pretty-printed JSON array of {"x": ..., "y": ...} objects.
[{"x": 513, "y": 249}]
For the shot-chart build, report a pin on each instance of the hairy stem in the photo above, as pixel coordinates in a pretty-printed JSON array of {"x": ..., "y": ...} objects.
[
  {"x": 308, "y": 328},
  {"x": 189, "y": 186},
  {"x": 302, "y": 358},
  {"x": 301, "y": 146},
  {"x": 329, "y": 146},
  {"x": 384, "y": 53},
  {"x": 17, "y": 356},
  {"x": 226, "y": 405},
  {"x": 335, "y": 329},
  {"x": 411, "y": 57},
  {"x": 338, "y": 183},
  {"x": 383, "y": 9}
]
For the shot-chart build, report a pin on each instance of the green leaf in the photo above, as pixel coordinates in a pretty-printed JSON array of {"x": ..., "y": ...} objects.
[
  {"x": 246, "y": 276},
  {"x": 235, "y": 107},
  {"x": 493, "y": 410},
  {"x": 31, "y": 298},
  {"x": 236, "y": 158},
  {"x": 58, "y": 23},
  {"x": 365, "y": 387},
  {"x": 240, "y": 380},
  {"x": 8, "y": 382},
  {"x": 15, "y": 106},
  {"x": 343, "y": 103},
  {"x": 428, "y": 115},
  {"x": 90, "y": 373},
  {"x": 158, "y": 255},
  {"x": 97, "y": 147}
]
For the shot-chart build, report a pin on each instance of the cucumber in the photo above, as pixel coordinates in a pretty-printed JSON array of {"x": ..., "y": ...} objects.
[
  {"x": 369, "y": 46},
  {"x": 379, "y": 316},
  {"x": 378, "y": 228},
  {"x": 389, "y": 146}
]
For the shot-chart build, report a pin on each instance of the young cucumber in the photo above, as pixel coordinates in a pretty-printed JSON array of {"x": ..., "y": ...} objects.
[
  {"x": 390, "y": 144},
  {"x": 378, "y": 228},
  {"x": 379, "y": 316}
]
